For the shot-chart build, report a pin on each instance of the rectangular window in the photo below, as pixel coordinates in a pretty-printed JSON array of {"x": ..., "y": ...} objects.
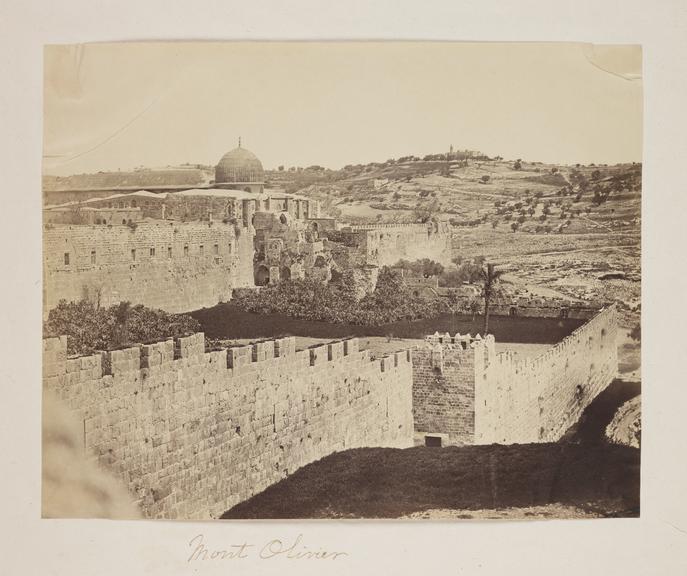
[
  {"x": 133, "y": 253},
  {"x": 202, "y": 249},
  {"x": 66, "y": 258},
  {"x": 216, "y": 248},
  {"x": 152, "y": 252},
  {"x": 186, "y": 250},
  {"x": 169, "y": 252},
  {"x": 92, "y": 256}
]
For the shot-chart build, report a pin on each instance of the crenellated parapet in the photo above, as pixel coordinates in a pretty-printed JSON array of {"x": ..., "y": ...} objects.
[{"x": 194, "y": 431}]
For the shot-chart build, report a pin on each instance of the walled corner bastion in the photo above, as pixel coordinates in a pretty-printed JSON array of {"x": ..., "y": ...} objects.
[
  {"x": 466, "y": 393},
  {"x": 192, "y": 433}
]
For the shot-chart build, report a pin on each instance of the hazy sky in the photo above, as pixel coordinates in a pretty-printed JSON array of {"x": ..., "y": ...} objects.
[{"x": 110, "y": 106}]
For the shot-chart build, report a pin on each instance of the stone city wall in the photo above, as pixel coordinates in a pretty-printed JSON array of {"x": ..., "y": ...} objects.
[
  {"x": 89, "y": 215},
  {"x": 170, "y": 265},
  {"x": 538, "y": 399},
  {"x": 539, "y": 307},
  {"x": 466, "y": 393},
  {"x": 192, "y": 433}
]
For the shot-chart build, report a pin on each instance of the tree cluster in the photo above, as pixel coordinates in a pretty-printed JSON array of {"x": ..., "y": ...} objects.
[{"x": 89, "y": 327}]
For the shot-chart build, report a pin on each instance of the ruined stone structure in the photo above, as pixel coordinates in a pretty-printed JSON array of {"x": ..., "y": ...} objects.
[
  {"x": 175, "y": 266},
  {"x": 288, "y": 248},
  {"x": 192, "y": 433},
  {"x": 386, "y": 244},
  {"x": 466, "y": 393}
]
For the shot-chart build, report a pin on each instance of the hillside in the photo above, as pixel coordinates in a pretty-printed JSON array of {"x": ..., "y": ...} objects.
[{"x": 570, "y": 231}]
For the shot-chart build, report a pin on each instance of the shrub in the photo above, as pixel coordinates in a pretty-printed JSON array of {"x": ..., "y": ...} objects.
[
  {"x": 311, "y": 299},
  {"x": 636, "y": 332},
  {"x": 424, "y": 267}
]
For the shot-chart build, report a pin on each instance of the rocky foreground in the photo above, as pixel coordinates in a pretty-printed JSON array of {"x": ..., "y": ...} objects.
[{"x": 626, "y": 426}]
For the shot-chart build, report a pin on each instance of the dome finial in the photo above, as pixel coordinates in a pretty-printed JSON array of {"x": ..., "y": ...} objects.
[{"x": 239, "y": 141}]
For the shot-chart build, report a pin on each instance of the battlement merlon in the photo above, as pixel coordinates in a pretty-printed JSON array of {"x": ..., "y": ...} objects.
[{"x": 191, "y": 350}]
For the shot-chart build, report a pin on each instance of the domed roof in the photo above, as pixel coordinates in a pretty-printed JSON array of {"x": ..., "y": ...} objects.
[{"x": 238, "y": 166}]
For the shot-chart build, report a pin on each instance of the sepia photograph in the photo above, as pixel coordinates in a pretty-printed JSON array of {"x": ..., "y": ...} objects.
[{"x": 341, "y": 280}]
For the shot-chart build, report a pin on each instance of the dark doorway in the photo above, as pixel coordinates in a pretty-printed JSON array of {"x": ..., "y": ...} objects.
[
  {"x": 433, "y": 441},
  {"x": 262, "y": 276}
]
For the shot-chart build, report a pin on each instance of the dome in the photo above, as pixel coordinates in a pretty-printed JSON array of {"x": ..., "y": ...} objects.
[{"x": 239, "y": 166}]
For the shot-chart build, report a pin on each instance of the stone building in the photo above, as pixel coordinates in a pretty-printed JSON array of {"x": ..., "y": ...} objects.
[
  {"x": 181, "y": 249},
  {"x": 240, "y": 169},
  {"x": 290, "y": 237}
]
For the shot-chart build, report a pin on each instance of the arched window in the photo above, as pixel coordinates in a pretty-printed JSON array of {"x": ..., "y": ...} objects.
[{"x": 513, "y": 311}]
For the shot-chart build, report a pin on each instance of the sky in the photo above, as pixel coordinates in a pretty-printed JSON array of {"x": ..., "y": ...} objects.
[{"x": 113, "y": 106}]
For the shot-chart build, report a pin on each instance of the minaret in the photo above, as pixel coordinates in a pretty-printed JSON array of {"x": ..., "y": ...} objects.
[{"x": 239, "y": 141}]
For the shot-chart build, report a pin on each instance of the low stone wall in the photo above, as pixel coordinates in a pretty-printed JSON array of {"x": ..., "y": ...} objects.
[{"x": 192, "y": 433}]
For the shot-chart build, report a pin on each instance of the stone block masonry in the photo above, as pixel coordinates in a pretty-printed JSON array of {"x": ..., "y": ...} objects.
[
  {"x": 386, "y": 244},
  {"x": 192, "y": 433},
  {"x": 444, "y": 390},
  {"x": 175, "y": 266},
  {"x": 465, "y": 393},
  {"x": 537, "y": 400}
]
